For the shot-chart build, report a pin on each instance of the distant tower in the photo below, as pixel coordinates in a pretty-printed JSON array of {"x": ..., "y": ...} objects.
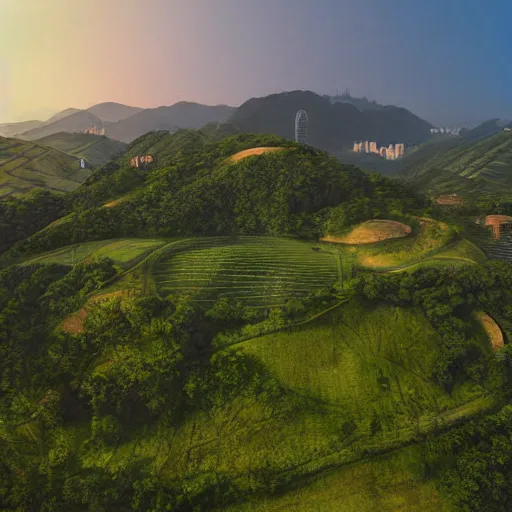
[
  {"x": 82, "y": 163},
  {"x": 301, "y": 127}
]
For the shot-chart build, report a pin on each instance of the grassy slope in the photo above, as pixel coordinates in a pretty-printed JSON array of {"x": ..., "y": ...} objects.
[
  {"x": 461, "y": 252},
  {"x": 362, "y": 360},
  {"x": 124, "y": 251},
  {"x": 469, "y": 167},
  {"x": 391, "y": 483},
  {"x": 353, "y": 388},
  {"x": 95, "y": 149},
  {"x": 24, "y": 165}
]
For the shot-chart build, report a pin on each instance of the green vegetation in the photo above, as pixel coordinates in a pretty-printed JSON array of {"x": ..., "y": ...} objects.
[
  {"x": 179, "y": 338},
  {"x": 256, "y": 270},
  {"x": 95, "y": 149},
  {"x": 469, "y": 168},
  {"x": 388, "y": 483},
  {"x": 22, "y": 216},
  {"x": 428, "y": 239},
  {"x": 25, "y": 166},
  {"x": 141, "y": 410},
  {"x": 123, "y": 252},
  {"x": 370, "y": 362},
  {"x": 200, "y": 193}
]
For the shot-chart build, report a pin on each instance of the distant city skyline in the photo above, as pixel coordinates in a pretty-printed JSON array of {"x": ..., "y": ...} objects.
[{"x": 449, "y": 57}]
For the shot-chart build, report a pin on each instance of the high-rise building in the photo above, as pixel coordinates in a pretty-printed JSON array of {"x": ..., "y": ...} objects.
[
  {"x": 399, "y": 150},
  {"x": 301, "y": 127},
  {"x": 390, "y": 153},
  {"x": 366, "y": 146},
  {"x": 383, "y": 151},
  {"x": 373, "y": 147}
]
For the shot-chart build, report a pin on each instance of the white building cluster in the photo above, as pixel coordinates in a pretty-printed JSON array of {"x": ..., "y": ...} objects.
[
  {"x": 391, "y": 152},
  {"x": 445, "y": 130}
]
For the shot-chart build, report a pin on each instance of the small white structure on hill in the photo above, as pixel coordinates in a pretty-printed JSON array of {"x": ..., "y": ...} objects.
[{"x": 82, "y": 163}]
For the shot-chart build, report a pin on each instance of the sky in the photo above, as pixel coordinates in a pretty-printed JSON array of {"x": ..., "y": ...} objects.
[{"x": 448, "y": 61}]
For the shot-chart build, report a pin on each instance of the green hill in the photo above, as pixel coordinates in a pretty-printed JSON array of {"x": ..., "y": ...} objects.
[
  {"x": 193, "y": 188},
  {"x": 468, "y": 168},
  {"x": 25, "y": 165},
  {"x": 182, "y": 338},
  {"x": 95, "y": 149}
]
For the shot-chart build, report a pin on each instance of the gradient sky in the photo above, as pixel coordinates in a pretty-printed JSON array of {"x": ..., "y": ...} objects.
[{"x": 446, "y": 60}]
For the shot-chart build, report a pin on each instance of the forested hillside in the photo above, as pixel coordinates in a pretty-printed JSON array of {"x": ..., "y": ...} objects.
[
  {"x": 244, "y": 323},
  {"x": 192, "y": 188}
]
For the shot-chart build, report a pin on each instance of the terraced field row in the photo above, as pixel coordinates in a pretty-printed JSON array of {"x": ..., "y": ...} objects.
[{"x": 260, "y": 271}]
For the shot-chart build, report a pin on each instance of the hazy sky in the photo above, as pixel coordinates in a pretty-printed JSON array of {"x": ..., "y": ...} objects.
[{"x": 446, "y": 60}]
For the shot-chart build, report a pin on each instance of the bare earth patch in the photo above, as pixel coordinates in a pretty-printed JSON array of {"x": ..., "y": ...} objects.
[
  {"x": 450, "y": 200},
  {"x": 113, "y": 203},
  {"x": 74, "y": 323},
  {"x": 492, "y": 329},
  {"x": 371, "y": 232},
  {"x": 495, "y": 222},
  {"x": 254, "y": 151}
]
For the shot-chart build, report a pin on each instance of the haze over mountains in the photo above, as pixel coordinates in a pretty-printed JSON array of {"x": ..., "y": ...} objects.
[{"x": 333, "y": 123}]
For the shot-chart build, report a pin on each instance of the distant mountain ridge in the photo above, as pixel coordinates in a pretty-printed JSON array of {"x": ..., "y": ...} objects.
[
  {"x": 75, "y": 122},
  {"x": 332, "y": 126},
  {"x": 180, "y": 115}
]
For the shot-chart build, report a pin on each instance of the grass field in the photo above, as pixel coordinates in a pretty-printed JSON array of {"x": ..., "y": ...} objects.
[
  {"x": 254, "y": 151},
  {"x": 123, "y": 252},
  {"x": 24, "y": 166},
  {"x": 367, "y": 361},
  {"x": 372, "y": 231},
  {"x": 391, "y": 483},
  {"x": 256, "y": 270}
]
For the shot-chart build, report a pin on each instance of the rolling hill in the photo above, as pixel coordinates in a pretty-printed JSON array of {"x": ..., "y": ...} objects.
[
  {"x": 182, "y": 338},
  {"x": 97, "y": 150},
  {"x": 193, "y": 187},
  {"x": 468, "y": 168},
  {"x": 25, "y": 165}
]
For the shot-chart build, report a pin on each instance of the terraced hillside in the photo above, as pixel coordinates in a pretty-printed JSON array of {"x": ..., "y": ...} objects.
[
  {"x": 464, "y": 167},
  {"x": 260, "y": 271},
  {"x": 24, "y": 166},
  {"x": 95, "y": 149}
]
